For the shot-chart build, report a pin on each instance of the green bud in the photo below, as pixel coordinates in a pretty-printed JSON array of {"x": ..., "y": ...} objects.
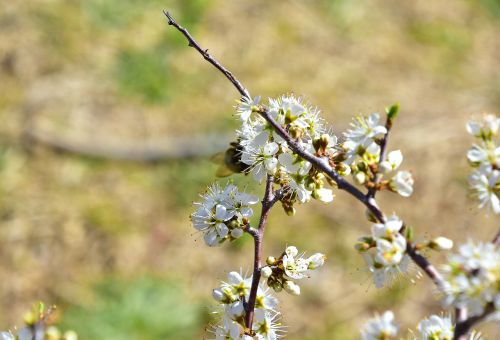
[
  {"x": 392, "y": 111},
  {"x": 370, "y": 216},
  {"x": 409, "y": 233}
]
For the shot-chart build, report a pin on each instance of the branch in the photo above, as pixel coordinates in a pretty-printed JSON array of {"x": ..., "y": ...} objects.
[
  {"x": 319, "y": 163},
  {"x": 157, "y": 150},
  {"x": 267, "y": 204},
  {"x": 342, "y": 184},
  {"x": 204, "y": 52},
  {"x": 464, "y": 327},
  {"x": 383, "y": 151},
  {"x": 464, "y": 324}
]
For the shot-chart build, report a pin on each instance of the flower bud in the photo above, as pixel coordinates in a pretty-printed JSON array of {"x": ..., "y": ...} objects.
[
  {"x": 360, "y": 178},
  {"x": 291, "y": 288},
  {"x": 234, "y": 278},
  {"x": 237, "y": 232},
  {"x": 266, "y": 272},
  {"x": 271, "y": 260},
  {"x": 441, "y": 243},
  {"x": 235, "y": 310},
  {"x": 342, "y": 169},
  {"x": 316, "y": 261},
  {"x": 218, "y": 295}
]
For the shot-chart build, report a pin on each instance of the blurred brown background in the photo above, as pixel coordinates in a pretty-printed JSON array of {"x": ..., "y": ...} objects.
[{"x": 109, "y": 241}]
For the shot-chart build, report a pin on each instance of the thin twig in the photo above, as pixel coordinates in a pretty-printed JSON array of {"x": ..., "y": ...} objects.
[
  {"x": 204, "y": 52},
  {"x": 383, "y": 151},
  {"x": 267, "y": 204}
]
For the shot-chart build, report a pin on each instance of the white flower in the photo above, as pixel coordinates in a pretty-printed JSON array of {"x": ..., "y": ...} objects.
[
  {"x": 291, "y": 288},
  {"x": 266, "y": 325},
  {"x": 441, "y": 243},
  {"x": 220, "y": 214},
  {"x": 295, "y": 268},
  {"x": 293, "y": 164},
  {"x": 229, "y": 330},
  {"x": 241, "y": 202},
  {"x": 472, "y": 277},
  {"x": 380, "y": 327},
  {"x": 212, "y": 223},
  {"x": 364, "y": 128},
  {"x": 324, "y": 195},
  {"x": 487, "y": 153},
  {"x": 402, "y": 183},
  {"x": 390, "y": 253},
  {"x": 484, "y": 183},
  {"x": 264, "y": 300},
  {"x": 388, "y": 229},
  {"x": 260, "y": 156},
  {"x": 393, "y": 161},
  {"x": 484, "y": 128},
  {"x": 291, "y": 110},
  {"x": 436, "y": 328},
  {"x": 382, "y": 274},
  {"x": 244, "y": 108}
]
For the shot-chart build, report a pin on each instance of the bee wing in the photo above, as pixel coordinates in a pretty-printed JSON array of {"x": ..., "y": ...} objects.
[
  {"x": 219, "y": 158},
  {"x": 223, "y": 171}
]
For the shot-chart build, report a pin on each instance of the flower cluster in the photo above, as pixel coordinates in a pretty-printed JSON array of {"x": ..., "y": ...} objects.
[
  {"x": 363, "y": 151},
  {"x": 473, "y": 277},
  {"x": 484, "y": 157},
  {"x": 389, "y": 258},
  {"x": 433, "y": 328},
  {"x": 264, "y": 152},
  {"x": 223, "y": 213},
  {"x": 232, "y": 296},
  {"x": 290, "y": 266}
]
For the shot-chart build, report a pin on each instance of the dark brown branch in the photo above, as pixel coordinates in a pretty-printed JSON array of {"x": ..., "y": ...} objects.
[
  {"x": 204, "y": 52},
  {"x": 267, "y": 204},
  {"x": 463, "y": 328},
  {"x": 496, "y": 240}
]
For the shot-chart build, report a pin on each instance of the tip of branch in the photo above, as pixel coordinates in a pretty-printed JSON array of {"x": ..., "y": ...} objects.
[{"x": 169, "y": 17}]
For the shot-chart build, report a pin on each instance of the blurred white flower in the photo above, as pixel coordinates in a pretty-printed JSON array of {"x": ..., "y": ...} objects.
[
  {"x": 436, "y": 328},
  {"x": 380, "y": 327}
]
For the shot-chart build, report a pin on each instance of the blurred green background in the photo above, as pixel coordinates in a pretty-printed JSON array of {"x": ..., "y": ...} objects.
[{"x": 109, "y": 241}]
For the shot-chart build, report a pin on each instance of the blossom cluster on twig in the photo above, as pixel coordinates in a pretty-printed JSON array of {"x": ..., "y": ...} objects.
[{"x": 288, "y": 143}]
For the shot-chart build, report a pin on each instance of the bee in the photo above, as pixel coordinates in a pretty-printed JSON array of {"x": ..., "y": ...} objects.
[{"x": 230, "y": 161}]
